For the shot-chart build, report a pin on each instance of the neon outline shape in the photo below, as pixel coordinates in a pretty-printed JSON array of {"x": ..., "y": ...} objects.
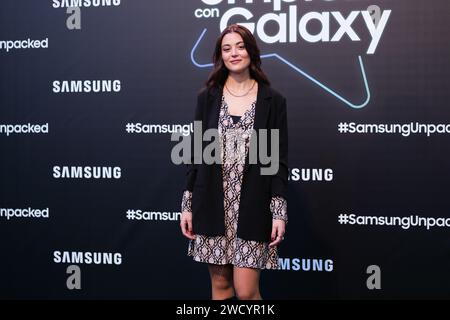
[{"x": 303, "y": 73}]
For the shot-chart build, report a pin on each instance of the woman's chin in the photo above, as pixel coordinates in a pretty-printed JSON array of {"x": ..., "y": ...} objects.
[{"x": 236, "y": 70}]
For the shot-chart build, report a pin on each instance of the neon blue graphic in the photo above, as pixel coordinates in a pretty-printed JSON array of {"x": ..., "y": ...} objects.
[{"x": 303, "y": 73}]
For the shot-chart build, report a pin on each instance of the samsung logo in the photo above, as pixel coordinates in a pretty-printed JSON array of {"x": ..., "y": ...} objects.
[
  {"x": 305, "y": 264},
  {"x": 86, "y": 172},
  {"x": 86, "y": 86},
  {"x": 84, "y": 3},
  {"x": 310, "y": 174},
  {"x": 79, "y": 257}
]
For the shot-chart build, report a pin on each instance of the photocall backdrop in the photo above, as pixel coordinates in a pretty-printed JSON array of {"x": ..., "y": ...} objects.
[{"x": 89, "y": 95}]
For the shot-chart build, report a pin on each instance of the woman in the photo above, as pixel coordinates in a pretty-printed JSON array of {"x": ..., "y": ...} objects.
[{"x": 235, "y": 216}]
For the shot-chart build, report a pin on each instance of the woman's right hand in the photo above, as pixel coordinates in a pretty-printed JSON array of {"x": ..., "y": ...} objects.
[{"x": 186, "y": 225}]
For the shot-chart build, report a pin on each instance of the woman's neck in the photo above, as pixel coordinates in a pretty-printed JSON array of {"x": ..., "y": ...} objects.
[{"x": 239, "y": 82}]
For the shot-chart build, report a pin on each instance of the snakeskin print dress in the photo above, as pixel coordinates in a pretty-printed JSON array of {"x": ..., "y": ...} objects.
[{"x": 229, "y": 249}]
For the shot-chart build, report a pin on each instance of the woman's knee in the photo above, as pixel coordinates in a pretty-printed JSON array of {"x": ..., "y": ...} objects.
[
  {"x": 221, "y": 283},
  {"x": 246, "y": 283},
  {"x": 247, "y": 293},
  {"x": 221, "y": 277}
]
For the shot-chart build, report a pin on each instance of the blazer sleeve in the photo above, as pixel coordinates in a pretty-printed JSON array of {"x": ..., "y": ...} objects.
[
  {"x": 280, "y": 179},
  {"x": 191, "y": 172}
]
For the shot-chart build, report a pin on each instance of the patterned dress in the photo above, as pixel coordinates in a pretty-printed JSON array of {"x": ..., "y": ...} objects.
[{"x": 229, "y": 249}]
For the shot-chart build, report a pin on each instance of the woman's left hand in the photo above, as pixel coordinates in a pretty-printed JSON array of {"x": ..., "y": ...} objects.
[{"x": 278, "y": 229}]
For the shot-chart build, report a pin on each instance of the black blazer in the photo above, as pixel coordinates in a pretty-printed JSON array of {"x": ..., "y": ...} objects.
[{"x": 205, "y": 180}]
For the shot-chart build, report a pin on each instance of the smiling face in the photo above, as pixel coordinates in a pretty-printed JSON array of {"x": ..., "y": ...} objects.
[{"x": 234, "y": 54}]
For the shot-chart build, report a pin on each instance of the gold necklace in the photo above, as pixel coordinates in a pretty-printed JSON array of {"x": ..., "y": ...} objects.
[{"x": 254, "y": 82}]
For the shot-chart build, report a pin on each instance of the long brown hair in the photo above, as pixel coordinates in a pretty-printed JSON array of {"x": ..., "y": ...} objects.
[{"x": 219, "y": 74}]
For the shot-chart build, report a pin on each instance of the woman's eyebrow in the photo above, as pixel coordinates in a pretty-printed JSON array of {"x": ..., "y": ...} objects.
[{"x": 227, "y": 44}]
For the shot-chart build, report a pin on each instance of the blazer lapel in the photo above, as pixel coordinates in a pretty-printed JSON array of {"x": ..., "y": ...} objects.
[
  {"x": 261, "y": 117},
  {"x": 213, "y": 107},
  {"x": 262, "y": 107}
]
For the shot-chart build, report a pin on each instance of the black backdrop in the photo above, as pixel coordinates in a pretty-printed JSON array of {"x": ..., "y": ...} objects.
[{"x": 151, "y": 57}]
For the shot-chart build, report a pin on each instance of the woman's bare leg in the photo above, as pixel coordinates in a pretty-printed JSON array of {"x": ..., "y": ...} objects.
[
  {"x": 246, "y": 283},
  {"x": 221, "y": 281}
]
